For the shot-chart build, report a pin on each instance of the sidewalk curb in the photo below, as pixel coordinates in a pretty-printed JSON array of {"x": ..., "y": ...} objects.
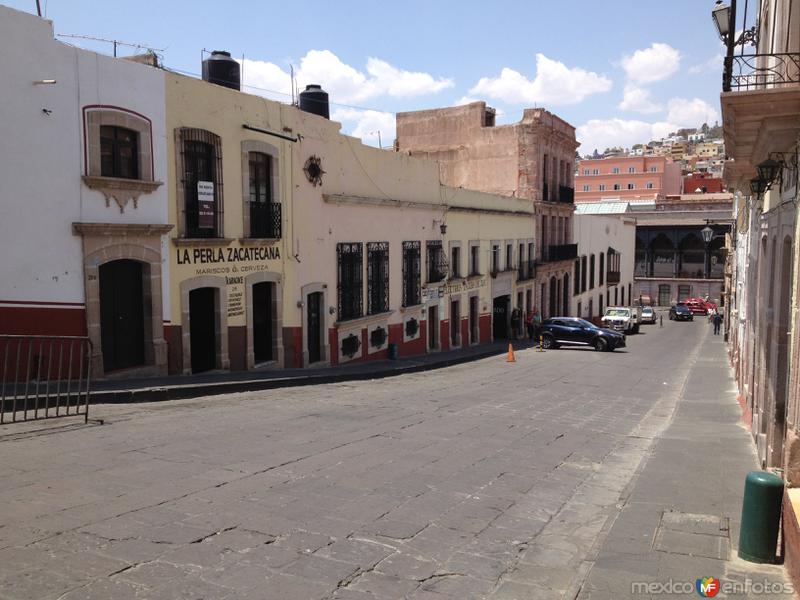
[{"x": 186, "y": 391}]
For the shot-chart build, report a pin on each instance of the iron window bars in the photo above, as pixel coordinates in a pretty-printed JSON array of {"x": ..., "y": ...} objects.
[
  {"x": 350, "y": 285},
  {"x": 411, "y": 274},
  {"x": 437, "y": 268},
  {"x": 265, "y": 215},
  {"x": 377, "y": 277}
]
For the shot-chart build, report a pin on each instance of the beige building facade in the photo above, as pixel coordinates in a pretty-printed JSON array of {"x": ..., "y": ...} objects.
[
  {"x": 297, "y": 246},
  {"x": 532, "y": 160}
]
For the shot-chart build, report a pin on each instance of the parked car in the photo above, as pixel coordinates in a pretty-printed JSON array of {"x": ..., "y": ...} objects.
[
  {"x": 569, "y": 331},
  {"x": 680, "y": 312},
  {"x": 622, "y": 318},
  {"x": 648, "y": 315}
]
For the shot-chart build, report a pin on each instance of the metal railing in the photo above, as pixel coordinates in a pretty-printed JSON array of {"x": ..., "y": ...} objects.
[
  {"x": 265, "y": 220},
  {"x": 760, "y": 71},
  {"x": 44, "y": 377},
  {"x": 526, "y": 270},
  {"x": 560, "y": 252}
]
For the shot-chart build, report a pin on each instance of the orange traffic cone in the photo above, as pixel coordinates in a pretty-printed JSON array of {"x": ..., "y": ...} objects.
[{"x": 511, "y": 354}]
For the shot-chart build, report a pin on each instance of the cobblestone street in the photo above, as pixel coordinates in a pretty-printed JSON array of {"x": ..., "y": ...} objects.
[{"x": 485, "y": 480}]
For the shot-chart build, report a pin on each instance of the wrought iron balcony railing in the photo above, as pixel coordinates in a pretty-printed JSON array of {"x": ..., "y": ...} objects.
[
  {"x": 560, "y": 252},
  {"x": 746, "y": 72},
  {"x": 612, "y": 277}
]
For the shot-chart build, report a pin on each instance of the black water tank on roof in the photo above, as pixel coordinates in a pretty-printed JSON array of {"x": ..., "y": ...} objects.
[
  {"x": 221, "y": 69},
  {"x": 315, "y": 100}
]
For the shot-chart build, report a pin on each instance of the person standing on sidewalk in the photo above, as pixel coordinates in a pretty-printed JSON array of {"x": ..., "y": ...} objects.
[
  {"x": 530, "y": 326},
  {"x": 717, "y": 323}
]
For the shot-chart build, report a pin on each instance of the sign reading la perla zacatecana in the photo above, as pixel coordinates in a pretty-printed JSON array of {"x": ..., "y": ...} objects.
[{"x": 203, "y": 256}]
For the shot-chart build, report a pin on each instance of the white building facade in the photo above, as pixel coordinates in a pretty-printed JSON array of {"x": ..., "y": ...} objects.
[{"x": 604, "y": 268}]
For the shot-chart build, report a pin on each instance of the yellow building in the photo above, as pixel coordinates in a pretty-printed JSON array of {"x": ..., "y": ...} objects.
[{"x": 295, "y": 245}]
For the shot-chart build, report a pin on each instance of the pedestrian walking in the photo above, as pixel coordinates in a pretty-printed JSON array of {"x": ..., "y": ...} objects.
[
  {"x": 717, "y": 323},
  {"x": 530, "y": 326}
]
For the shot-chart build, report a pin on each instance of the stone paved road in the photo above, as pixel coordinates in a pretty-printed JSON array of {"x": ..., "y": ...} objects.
[{"x": 478, "y": 481}]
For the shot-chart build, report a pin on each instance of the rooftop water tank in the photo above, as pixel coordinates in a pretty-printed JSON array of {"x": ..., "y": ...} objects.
[
  {"x": 221, "y": 69},
  {"x": 315, "y": 100}
]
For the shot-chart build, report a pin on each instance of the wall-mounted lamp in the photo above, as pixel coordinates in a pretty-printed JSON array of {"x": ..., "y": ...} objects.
[
  {"x": 45, "y": 82},
  {"x": 300, "y": 304},
  {"x": 331, "y": 310},
  {"x": 722, "y": 18},
  {"x": 768, "y": 171},
  {"x": 442, "y": 225},
  {"x": 707, "y": 234},
  {"x": 758, "y": 186}
]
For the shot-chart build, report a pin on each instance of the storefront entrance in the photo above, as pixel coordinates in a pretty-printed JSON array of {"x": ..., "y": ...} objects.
[
  {"x": 314, "y": 320},
  {"x": 433, "y": 328},
  {"x": 455, "y": 324},
  {"x": 121, "y": 314},
  {"x": 474, "y": 329},
  {"x": 500, "y": 311},
  {"x": 202, "y": 330},
  {"x": 263, "y": 322}
]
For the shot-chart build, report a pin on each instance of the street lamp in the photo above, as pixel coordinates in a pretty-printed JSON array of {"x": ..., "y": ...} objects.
[
  {"x": 758, "y": 186},
  {"x": 768, "y": 171},
  {"x": 707, "y": 234},
  {"x": 722, "y": 19}
]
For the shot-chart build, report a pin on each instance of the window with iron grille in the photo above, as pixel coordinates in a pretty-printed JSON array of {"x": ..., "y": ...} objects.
[
  {"x": 509, "y": 257},
  {"x": 601, "y": 272},
  {"x": 119, "y": 154},
  {"x": 377, "y": 277},
  {"x": 349, "y": 258},
  {"x": 436, "y": 270},
  {"x": 577, "y": 279},
  {"x": 591, "y": 272},
  {"x": 411, "y": 274},
  {"x": 495, "y": 258},
  {"x": 265, "y": 215},
  {"x": 200, "y": 160},
  {"x": 583, "y": 274}
]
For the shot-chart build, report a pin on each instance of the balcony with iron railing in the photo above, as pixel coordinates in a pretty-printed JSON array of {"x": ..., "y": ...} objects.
[
  {"x": 559, "y": 252},
  {"x": 760, "y": 85},
  {"x": 612, "y": 277}
]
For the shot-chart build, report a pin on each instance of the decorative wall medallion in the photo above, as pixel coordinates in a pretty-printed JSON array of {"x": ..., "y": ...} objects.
[
  {"x": 350, "y": 345},
  {"x": 378, "y": 337},
  {"x": 412, "y": 328},
  {"x": 313, "y": 170}
]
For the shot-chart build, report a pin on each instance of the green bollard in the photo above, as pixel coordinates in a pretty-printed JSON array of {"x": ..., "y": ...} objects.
[{"x": 761, "y": 517}]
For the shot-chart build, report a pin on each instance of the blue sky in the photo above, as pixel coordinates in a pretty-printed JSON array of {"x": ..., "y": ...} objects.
[{"x": 622, "y": 71}]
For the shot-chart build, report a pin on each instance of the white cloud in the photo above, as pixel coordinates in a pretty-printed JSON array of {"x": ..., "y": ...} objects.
[
  {"x": 637, "y": 99},
  {"x": 656, "y": 63},
  {"x": 464, "y": 100},
  {"x": 343, "y": 82},
  {"x": 606, "y": 133},
  {"x": 399, "y": 84},
  {"x": 555, "y": 83},
  {"x": 365, "y": 124},
  {"x": 712, "y": 65},
  {"x": 690, "y": 113}
]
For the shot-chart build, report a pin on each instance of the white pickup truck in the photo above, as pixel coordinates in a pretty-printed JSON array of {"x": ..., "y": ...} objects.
[{"x": 623, "y": 318}]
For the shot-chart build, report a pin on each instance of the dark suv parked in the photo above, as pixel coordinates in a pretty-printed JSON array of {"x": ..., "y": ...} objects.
[
  {"x": 680, "y": 312},
  {"x": 569, "y": 331}
]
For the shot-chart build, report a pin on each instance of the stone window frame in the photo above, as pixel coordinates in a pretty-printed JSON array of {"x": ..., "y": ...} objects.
[
  {"x": 277, "y": 323},
  {"x": 222, "y": 359},
  {"x": 119, "y": 189},
  {"x": 198, "y": 134},
  {"x": 274, "y": 153},
  {"x": 104, "y": 243}
]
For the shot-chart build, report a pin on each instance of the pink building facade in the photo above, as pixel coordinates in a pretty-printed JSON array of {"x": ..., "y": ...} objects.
[{"x": 627, "y": 178}]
